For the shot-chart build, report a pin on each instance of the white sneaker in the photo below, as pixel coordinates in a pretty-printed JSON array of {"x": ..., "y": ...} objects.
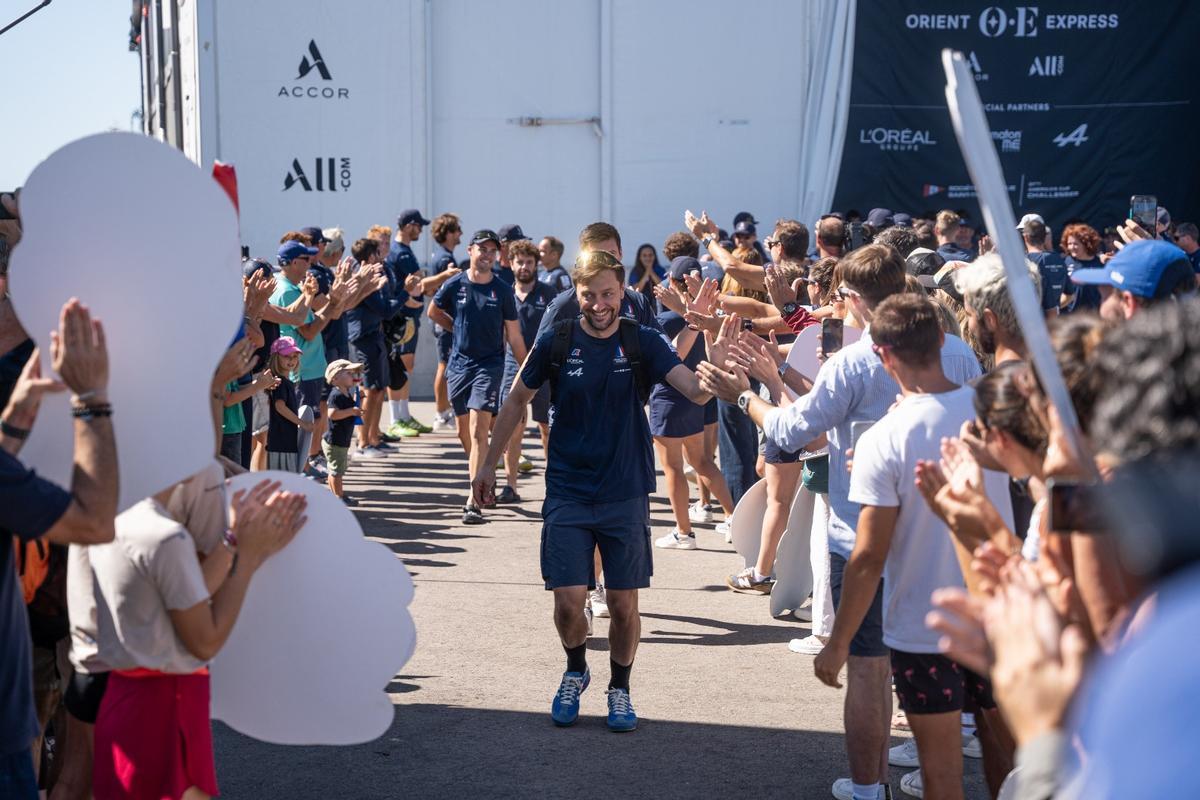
[
  {"x": 676, "y": 541},
  {"x": 904, "y": 755},
  {"x": 843, "y": 789},
  {"x": 599, "y": 602},
  {"x": 971, "y": 746},
  {"x": 444, "y": 424},
  {"x": 803, "y": 614},
  {"x": 912, "y": 784},
  {"x": 809, "y": 645},
  {"x": 697, "y": 512},
  {"x": 726, "y": 529}
]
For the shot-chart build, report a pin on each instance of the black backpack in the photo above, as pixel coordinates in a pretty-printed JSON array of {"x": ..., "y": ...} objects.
[{"x": 564, "y": 329}]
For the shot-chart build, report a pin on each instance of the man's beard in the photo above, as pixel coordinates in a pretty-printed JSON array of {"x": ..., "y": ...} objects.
[{"x": 609, "y": 316}]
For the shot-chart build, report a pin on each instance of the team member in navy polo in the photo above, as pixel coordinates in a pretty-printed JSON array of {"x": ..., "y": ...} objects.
[
  {"x": 508, "y": 235},
  {"x": 481, "y": 311},
  {"x": 603, "y": 237},
  {"x": 599, "y": 474},
  {"x": 447, "y": 233},
  {"x": 403, "y": 262},
  {"x": 533, "y": 297}
]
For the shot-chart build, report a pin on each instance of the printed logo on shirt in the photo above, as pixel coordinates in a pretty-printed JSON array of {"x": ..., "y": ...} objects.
[
  {"x": 627, "y": 310},
  {"x": 575, "y": 373}
]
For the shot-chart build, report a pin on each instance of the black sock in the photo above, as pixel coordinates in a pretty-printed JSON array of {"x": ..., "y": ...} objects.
[
  {"x": 577, "y": 658},
  {"x": 620, "y": 676}
]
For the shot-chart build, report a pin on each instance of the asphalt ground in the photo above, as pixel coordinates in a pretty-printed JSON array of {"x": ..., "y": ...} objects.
[{"x": 725, "y": 708}]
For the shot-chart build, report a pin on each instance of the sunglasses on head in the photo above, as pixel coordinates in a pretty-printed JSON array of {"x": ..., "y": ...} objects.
[{"x": 603, "y": 257}]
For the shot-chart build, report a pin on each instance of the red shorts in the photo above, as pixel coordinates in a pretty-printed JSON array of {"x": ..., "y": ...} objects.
[{"x": 153, "y": 737}]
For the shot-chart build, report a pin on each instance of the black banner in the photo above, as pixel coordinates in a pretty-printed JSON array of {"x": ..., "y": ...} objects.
[{"x": 1088, "y": 103}]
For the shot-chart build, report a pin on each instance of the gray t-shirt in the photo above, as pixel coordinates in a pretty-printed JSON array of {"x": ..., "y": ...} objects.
[
  {"x": 922, "y": 557},
  {"x": 150, "y": 569},
  {"x": 198, "y": 504}
]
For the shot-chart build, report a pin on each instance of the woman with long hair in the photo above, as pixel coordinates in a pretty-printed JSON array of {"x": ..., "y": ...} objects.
[{"x": 646, "y": 272}]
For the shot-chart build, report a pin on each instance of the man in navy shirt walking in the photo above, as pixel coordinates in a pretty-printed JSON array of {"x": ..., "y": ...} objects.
[
  {"x": 481, "y": 311},
  {"x": 533, "y": 298},
  {"x": 598, "y": 425},
  {"x": 403, "y": 262}
]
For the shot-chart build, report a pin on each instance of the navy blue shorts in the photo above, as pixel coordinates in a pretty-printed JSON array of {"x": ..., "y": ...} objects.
[
  {"x": 673, "y": 416},
  {"x": 474, "y": 387},
  {"x": 539, "y": 405},
  {"x": 868, "y": 639},
  {"x": 410, "y": 347},
  {"x": 397, "y": 374},
  {"x": 710, "y": 412},
  {"x": 572, "y": 531},
  {"x": 445, "y": 341},
  {"x": 774, "y": 454},
  {"x": 931, "y": 683},
  {"x": 370, "y": 352},
  {"x": 310, "y": 394}
]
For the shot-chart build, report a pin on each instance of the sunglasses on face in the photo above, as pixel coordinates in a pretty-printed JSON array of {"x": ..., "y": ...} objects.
[
  {"x": 770, "y": 242},
  {"x": 845, "y": 292}
]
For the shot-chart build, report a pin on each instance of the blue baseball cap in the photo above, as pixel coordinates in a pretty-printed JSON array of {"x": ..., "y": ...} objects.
[
  {"x": 880, "y": 218},
  {"x": 681, "y": 266},
  {"x": 511, "y": 233},
  {"x": 1149, "y": 268},
  {"x": 410, "y": 215},
  {"x": 902, "y": 220},
  {"x": 292, "y": 249}
]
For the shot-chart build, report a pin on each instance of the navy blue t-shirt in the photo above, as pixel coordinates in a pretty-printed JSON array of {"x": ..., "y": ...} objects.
[
  {"x": 560, "y": 280},
  {"x": 335, "y": 333},
  {"x": 672, "y": 324},
  {"x": 1054, "y": 277},
  {"x": 29, "y": 506},
  {"x": 402, "y": 261},
  {"x": 599, "y": 439},
  {"x": 1087, "y": 298},
  {"x": 479, "y": 311},
  {"x": 530, "y": 312},
  {"x": 505, "y": 274},
  {"x": 283, "y": 434},
  {"x": 340, "y": 430},
  {"x": 566, "y": 306},
  {"x": 952, "y": 252}
]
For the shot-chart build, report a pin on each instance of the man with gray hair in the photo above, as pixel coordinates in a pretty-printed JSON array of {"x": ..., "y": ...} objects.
[{"x": 990, "y": 312}]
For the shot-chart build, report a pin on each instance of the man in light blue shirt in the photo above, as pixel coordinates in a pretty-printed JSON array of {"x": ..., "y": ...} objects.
[{"x": 852, "y": 386}]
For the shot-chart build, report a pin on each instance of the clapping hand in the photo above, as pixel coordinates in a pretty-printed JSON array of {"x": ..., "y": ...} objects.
[
  {"x": 412, "y": 284},
  {"x": 671, "y": 298},
  {"x": 266, "y": 381},
  {"x": 27, "y": 394},
  {"x": 718, "y": 345},
  {"x": 78, "y": 351},
  {"x": 237, "y": 361},
  {"x": 310, "y": 288},
  {"x": 778, "y": 289},
  {"x": 265, "y": 520}
]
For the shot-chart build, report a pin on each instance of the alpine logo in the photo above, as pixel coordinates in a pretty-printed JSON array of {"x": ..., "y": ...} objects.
[
  {"x": 327, "y": 175},
  {"x": 317, "y": 62},
  {"x": 1047, "y": 66},
  {"x": 312, "y": 64},
  {"x": 1075, "y": 137},
  {"x": 930, "y": 189},
  {"x": 575, "y": 373}
]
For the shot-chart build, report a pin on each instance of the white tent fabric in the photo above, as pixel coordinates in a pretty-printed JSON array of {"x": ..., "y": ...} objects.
[{"x": 826, "y": 102}]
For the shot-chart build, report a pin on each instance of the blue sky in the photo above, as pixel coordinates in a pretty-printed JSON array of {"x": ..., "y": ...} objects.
[{"x": 67, "y": 72}]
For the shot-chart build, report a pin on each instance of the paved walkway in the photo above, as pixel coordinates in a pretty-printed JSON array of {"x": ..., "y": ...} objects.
[{"x": 725, "y": 708}]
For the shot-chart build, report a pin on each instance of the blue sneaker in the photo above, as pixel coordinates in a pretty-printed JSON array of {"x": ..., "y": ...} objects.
[
  {"x": 565, "y": 708},
  {"x": 621, "y": 716}
]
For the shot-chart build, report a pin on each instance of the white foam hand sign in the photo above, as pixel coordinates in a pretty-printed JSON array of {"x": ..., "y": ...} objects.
[
  {"x": 149, "y": 243},
  {"x": 323, "y": 630}
]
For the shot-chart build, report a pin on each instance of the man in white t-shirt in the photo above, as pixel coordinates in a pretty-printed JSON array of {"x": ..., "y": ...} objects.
[{"x": 902, "y": 542}]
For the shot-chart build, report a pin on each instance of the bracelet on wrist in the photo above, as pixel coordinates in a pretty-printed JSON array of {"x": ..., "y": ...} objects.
[
  {"x": 97, "y": 411},
  {"x": 13, "y": 431},
  {"x": 82, "y": 398},
  {"x": 229, "y": 539}
]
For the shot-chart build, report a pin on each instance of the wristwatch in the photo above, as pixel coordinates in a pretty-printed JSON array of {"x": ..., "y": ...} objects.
[
  {"x": 748, "y": 325},
  {"x": 744, "y": 400},
  {"x": 789, "y": 309},
  {"x": 707, "y": 240},
  {"x": 783, "y": 368}
]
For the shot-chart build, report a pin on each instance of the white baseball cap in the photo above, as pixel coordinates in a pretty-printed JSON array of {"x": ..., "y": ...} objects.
[{"x": 1030, "y": 218}]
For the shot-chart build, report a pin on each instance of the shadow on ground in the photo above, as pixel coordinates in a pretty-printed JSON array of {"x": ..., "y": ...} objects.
[{"x": 435, "y": 751}]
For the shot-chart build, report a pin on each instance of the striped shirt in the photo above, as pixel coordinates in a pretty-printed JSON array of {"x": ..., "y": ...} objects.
[{"x": 852, "y": 386}]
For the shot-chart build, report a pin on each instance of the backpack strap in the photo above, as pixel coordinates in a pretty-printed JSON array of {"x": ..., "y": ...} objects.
[
  {"x": 563, "y": 330},
  {"x": 632, "y": 346}
]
